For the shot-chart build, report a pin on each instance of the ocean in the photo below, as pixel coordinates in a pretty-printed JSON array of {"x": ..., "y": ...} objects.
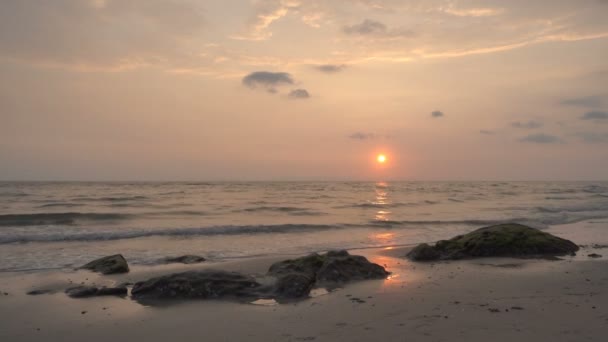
[{"x": 47, "y": 225}]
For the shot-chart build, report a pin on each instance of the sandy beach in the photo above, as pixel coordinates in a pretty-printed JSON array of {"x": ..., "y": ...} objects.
[{"x": 497, "y": 299}]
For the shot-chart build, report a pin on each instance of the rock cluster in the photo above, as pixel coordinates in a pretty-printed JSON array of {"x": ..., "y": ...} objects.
[{"x": 294, "y": 278}]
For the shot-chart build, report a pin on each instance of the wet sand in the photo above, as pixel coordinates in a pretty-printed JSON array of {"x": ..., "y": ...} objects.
[{"x": 471, "y": 300}]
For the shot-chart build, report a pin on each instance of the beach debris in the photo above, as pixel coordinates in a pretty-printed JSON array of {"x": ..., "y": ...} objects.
[
  {"x": 207, "y": 284},
  {"x": 295, "y": 277},
  {"x": 92, "y": 291},
  {"x": 108, "y": 265},
  {"x": 185, "y": 259},
  {"x": 494, "y": 310},
  {"x": 516, "y": 308},
  {"x": 594, "y": 255},
  {"x": 504, "y": 240}
]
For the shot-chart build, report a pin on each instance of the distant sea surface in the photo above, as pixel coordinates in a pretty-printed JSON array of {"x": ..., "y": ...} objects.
[{"x": 55, "y": 225}]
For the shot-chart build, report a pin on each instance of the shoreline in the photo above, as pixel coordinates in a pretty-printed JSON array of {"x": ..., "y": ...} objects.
[{"x": 499, "y": 299}]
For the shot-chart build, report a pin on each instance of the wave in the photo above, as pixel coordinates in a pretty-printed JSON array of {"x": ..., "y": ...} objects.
[
  {"x": 61, "y": 204},
  {"x": 180, "y": 232},
  {"x": 540, "y": 223},
  {"x": 111, "y": 199},
  {"x": 290, "y": 210},
  {"x": 43, "y": 219}
]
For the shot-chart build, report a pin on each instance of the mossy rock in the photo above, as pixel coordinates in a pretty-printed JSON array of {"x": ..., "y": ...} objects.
[
  {"x": 424, "y": 252},
  {"x": 295, "y": 277},
  {"x": 108, "y": 265},
  {"x": 504, "y": 240}
]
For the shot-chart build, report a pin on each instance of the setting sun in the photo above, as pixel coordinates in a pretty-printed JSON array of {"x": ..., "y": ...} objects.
[{"x": 381, "y": 158}]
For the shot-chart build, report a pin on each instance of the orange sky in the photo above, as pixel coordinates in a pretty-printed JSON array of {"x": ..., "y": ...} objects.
[{"x": 296, "y": 90}]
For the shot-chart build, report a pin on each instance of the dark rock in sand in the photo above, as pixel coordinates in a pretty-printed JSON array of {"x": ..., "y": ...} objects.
[
  {"x": 81, "y": 291},
  {"x": 108, "y": 265},
  {"x": 92, "y": 291},
  {"x": 112, "y": 291},
  {"x": 424, "y": 252},
  {"x": 185, "y": 259},
  {"x": 505, "y": 240},
  {"x": 594, "y": 255},
  {"x": 294, "y": 285},
  {"x": 38, "y": 292},
  {"x": 348, "y": 268},
  {"x": 196, "y": 285},
  {"x": 295, "y": 277}
]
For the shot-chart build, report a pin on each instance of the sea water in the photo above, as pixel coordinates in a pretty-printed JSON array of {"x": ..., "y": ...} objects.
[{"x": 55, "y": 225}]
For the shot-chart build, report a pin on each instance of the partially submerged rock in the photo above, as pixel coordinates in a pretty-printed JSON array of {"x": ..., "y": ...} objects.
[
  {"x": 92, "y": 291},
  {"x": 196, "y": 285},
  {"x": 185, "y": 259},
  {"x": 504, "y": 240},
  {"x": 108, "y": 265},
  {"x": 296, "y": 277}
]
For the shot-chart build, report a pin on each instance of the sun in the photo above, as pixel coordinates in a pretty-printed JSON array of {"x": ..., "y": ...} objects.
[{"x": 381, "y": 158}]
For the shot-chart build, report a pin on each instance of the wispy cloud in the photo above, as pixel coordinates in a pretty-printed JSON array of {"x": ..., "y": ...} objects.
[
  {"x": 541, "y": 138},
  {"x": 299, "y": 94},
  {"x": 267, "y": 80},
  {"x": 595, "y": 115},
  {"x": 594, "y": 101},
  {"x": 437, "y": 114},
  {"x": 532, "y": 124},
  {"x": 330, "y": 68}
]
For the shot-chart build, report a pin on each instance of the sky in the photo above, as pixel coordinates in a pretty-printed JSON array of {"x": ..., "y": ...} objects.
[{"x": 303, "y": 90}]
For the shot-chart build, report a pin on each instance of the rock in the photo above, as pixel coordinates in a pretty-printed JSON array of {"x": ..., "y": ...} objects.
[
  {"x": 81, "y": 291},
  {"x": 92, "y": 291},
  {"x": 594, "y": 255},
  {"x": 196, "y": 285},
  {"x": 294, "y": 285},
  {"x": 185, "y": 259},
  {"x": 348, "y": 268},
  {"x": 504, "y": 240},
  {"x": 296, "y": 277},
  {"x": 423, "y": 252},
  {"x": 38, "y": 292},
  {"x": 108, "y": 265},
  {"x": 112, "y": 291},
  {"x": 308, "y": 265}
]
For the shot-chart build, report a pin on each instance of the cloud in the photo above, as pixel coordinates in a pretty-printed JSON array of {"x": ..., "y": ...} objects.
[
  {"x": 594, "y": 101},
  {"x": 486, "y": 132},
  {"x": 363, "y": 136},
  {"x": 373, "y": 28},
  {"x": 366, "y": 27},
  {"x": 437, "y": 114},
  {"x": 330, "y": 68},
  {"x": 593, "y": 137},
  {"x": 595, "y": 115},
  {"x": 299, "y": 94},
  {"x": 541, "y": 138},
  {"x": 527, "y": 125},
  {"x": 267, "y": 80}
]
